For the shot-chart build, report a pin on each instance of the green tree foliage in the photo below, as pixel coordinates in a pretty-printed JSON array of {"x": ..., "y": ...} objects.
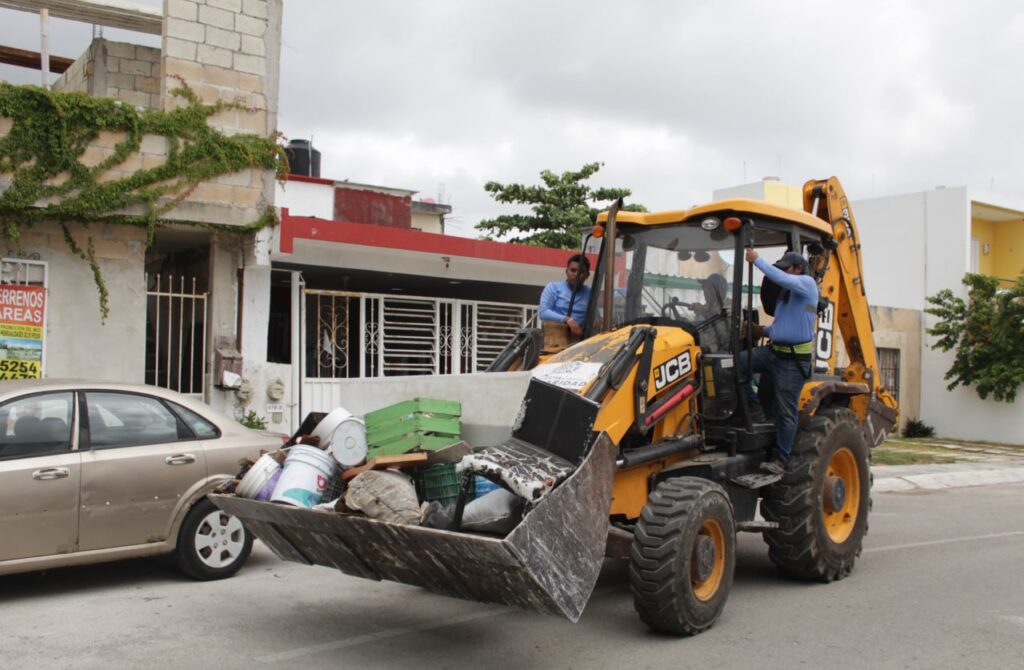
[
  {"x": 987, "y": 333},
  {"x": 561, "y": 208}
]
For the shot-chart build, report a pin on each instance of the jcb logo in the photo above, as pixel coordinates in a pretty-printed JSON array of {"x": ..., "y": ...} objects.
[
  {"x": 825, "y": 340},
  {"x": 672, "y": 369}
]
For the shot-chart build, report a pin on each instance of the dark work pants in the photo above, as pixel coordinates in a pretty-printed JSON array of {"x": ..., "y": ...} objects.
[{"x": 787, "y": 378}]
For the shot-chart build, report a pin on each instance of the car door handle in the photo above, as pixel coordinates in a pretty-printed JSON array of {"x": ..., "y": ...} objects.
[
  {"x": 180, "y": 459},
  {"x": 51, "y": 473}
]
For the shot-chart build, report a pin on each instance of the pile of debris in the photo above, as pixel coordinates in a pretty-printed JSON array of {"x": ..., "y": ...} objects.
[{"x": 403, "y": 464}]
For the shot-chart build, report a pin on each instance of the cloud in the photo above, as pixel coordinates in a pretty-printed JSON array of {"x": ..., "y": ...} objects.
[{"x": 676, "y": 98}]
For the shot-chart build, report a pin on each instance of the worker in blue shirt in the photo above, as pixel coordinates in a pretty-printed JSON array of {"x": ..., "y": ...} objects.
[
  {"x": 566, "y": 301},
  {"x": 788, "y": 357}
]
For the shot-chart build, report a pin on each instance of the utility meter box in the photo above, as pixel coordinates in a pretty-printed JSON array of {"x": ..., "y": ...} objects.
[{"x": 227, "y": 368}]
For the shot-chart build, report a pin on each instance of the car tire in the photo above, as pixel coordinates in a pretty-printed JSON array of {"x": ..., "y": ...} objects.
[{"x": 212, "y": 544}]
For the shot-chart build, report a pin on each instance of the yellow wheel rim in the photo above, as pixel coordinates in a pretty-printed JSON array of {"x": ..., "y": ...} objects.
[
  {"x": 708, "y": 560},
  {"x": 841, "y": 495}
]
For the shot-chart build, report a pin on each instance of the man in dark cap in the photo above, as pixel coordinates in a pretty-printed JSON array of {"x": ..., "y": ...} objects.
[{"x": 788, "y": 357}]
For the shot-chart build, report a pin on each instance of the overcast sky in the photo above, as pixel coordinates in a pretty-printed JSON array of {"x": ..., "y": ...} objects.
[{"x": 675, "y": 98}]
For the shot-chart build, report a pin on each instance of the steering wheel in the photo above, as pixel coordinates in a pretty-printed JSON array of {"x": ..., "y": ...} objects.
[{"x": 670, "y": 310}]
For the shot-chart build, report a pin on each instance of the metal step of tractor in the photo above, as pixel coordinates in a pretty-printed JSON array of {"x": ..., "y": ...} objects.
[
  {"x": 756, "y": 480},
  {"x": 756, "y": 526}
]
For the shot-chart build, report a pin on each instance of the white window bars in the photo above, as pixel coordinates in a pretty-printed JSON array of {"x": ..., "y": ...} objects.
[
  {"x": 176, "y": 335},
  {"x": 23, "y": 271},
  {"x": 374, "y": 335}
]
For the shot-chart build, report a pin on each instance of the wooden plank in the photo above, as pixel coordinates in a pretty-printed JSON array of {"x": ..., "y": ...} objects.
[
  {"x": 112, "y": 13},
  {"x": 383, "y": 462},
  {"x": 32, "y": 59}
]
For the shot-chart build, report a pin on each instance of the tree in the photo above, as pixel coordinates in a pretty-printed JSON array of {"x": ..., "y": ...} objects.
[
  {"x": 561, "y": 209},
  {"x": 987, "y": 333}
]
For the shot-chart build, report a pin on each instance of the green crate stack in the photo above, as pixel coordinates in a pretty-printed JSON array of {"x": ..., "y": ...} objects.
[
  {"x": 439, "y": 482},
  {"x": 420, "y": 424}
]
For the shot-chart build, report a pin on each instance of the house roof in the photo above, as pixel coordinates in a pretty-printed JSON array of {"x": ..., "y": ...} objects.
[{"x": 362, "y": 234}]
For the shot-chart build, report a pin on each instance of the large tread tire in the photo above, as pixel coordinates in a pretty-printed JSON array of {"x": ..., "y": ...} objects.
[
  {"x": 683, "y": 556},
  {"x": 212, "y": 544},
  {"x": 821, "y": 527}
]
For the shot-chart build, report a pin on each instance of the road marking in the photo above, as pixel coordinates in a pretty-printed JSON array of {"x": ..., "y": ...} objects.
[
  {"x": 373, "y": 637},
  {"x": 952, "y": 540}
]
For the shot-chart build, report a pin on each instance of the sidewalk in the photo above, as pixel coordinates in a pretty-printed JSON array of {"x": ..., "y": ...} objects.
[{"x": 900, "y": 478}]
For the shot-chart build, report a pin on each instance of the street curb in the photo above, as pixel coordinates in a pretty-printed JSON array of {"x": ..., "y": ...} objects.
[{"x": 892, "y": 482}]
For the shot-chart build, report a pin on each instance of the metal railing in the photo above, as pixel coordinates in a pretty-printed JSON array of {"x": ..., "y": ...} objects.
[
  {"x": 351, "y": 335},
  {"x": 176, "y": 335}
]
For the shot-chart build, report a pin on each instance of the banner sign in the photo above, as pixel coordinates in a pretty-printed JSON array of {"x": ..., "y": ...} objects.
[{"x": 21, "y": 331}]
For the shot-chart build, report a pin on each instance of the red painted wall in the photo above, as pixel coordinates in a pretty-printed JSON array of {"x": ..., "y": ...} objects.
[{"x": 379, "y": 209}]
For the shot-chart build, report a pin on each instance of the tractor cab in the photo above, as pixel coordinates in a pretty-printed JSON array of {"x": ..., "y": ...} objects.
[{"x": 687, "y": 269}]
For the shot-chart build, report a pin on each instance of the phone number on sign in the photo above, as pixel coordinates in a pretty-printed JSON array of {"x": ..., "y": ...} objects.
[{"x": 19, "y": 369}]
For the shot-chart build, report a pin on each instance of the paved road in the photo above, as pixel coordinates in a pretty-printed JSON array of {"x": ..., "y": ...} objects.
[{"x": 940, "y": 585}]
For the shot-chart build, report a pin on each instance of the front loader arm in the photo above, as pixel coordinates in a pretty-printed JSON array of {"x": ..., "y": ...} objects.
[{"x": 843, "y": 287}]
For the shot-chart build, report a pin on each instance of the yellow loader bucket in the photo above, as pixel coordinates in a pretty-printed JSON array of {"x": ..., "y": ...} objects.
[{"x": 548, "y": 563}]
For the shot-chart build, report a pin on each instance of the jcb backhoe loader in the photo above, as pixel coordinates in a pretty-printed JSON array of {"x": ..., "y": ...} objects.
[{"x": 656, "y": 453}]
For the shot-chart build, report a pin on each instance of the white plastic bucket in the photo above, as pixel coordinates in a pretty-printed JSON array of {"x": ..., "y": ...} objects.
[
  {"x": 307, "y": 472},
  {"x": 344, "y": 436},
  {"x": 256, "y": 479}
]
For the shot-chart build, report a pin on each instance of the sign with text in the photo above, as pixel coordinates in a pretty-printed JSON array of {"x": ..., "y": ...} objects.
[{"x": 22, "y": 309}]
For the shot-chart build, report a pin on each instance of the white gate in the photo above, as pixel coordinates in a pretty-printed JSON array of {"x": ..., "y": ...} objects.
[
  {"x": 176, "y": 335},
  {"x": 358, "y": 335}
]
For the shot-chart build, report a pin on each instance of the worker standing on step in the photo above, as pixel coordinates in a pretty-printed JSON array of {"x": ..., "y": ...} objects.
[
  {"x": 788, "y": 357},
  {"x": 566, "y": 301}
]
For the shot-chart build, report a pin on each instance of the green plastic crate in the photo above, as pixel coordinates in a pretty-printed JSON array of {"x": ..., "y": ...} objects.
[
  {"x": 441, "y": 483},
  {"x": 440, "y": 408},
  {"x": 407, "y": 443},
  {"x": 414, "y": 423}
]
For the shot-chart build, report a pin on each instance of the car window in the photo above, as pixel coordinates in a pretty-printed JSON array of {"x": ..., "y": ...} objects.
[
  {"x": 36, "y": 425},
  {"x": 130, "y": 419},
  {"x": 203, "y": 429}
]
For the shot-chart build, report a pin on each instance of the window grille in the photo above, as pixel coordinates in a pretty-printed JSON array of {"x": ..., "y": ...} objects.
[{"x": 889, "y": 369}]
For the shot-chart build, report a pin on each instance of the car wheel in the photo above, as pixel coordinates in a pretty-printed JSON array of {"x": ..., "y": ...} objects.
[{"x": 212, "y": 544}]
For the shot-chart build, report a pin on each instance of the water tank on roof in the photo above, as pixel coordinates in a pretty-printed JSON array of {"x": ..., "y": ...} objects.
[{"x": 303, "y": 159}]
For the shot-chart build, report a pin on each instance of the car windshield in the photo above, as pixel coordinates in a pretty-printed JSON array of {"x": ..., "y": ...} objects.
[{"x": 681, "y": 273}]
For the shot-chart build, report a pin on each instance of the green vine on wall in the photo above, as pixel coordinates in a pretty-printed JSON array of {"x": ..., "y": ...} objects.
[{"x": 40, "y": 157}]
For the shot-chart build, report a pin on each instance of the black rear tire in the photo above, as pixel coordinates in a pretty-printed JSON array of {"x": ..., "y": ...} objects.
[
  {"x": 822, "y": 502},
  {"x": 683, "y": 556},
  {"x": 212, "y": 544}
]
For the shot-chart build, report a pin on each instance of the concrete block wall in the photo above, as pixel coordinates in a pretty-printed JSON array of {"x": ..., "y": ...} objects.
[
  {"x": 76, "y": 78},
  {"x": 131, "y": 73},
  {"x": 116, "y": 70},
  {"x": 226, "y": 50}
]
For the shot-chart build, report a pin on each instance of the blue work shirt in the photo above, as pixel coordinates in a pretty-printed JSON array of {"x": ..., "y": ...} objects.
[
  {"x": 794, "y": 317},
  {"x": 554, "y": 302}
]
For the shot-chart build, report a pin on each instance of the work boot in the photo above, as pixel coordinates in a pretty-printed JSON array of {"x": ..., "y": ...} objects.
[
  {"x": 757, "y": 414},
  {"x": 776, "y": 466}
]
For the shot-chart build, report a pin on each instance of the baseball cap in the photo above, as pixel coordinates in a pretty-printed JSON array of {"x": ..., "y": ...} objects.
[{"x": 789, "y": 259}]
